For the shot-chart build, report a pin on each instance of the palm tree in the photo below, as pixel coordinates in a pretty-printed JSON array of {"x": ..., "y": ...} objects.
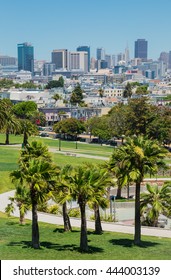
[
  {"x": 35, "y": 149},
  {"x": 22, "y": 200},
  {"x": 155, "y": 201},
  {"x": 137, "y": 157},
  {"x": 27, "y": 128},
  {"x": 2, "y": 113},
  {"x": 62, "y": 193},
  {"x": 81, "y": 192},
  {"x": 99, "y": 180},
  {"x": 9, "y": 122},
  {"x": 39, "y": 177}
]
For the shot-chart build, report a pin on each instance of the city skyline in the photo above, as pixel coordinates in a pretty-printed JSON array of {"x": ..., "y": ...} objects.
[{"x": 112, "y": 25}]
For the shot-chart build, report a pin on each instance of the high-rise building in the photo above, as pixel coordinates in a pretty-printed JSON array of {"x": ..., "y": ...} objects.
[
  {"x": 164, "y": 57},
  {"x": 85, "y": 49},
  {"x": 100, "y": 54},
  {"x": 25, "y": 57},
  {"x": 108, "y": 59},
  {"x": 48, "y": 69},
  {"x": 127, "y": 58},
  {"x": 79, "y": 61},
  {"x": 7, "y": 60},
  {"x": 169, "y": 66},
  {"x": 141, "y": 46},
  {"x": 60, "y": 59}
]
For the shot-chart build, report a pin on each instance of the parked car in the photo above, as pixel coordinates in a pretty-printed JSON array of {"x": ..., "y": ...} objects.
[{"x": 43, "y": 134}]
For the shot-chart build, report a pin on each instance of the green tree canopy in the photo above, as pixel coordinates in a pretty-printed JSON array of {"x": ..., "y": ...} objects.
[
  {"x": 69, "y": 126},
  {"x": 24, "y": 108},
  {"x": 55, "y": 84},
  {"x": 130, "y": 162},
  {"x": 77, "y": 96},
  {"x": 100, "y": 127}
]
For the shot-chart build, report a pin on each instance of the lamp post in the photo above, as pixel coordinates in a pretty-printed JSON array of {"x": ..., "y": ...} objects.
[
  {"x": 76, "y": 145},
  {"x": 60, "y": 141}
]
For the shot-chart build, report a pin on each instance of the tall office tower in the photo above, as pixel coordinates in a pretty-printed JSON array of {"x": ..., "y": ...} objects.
[
  {"x": 60, "y": 59},
  {"x": 113, "y": 60},
  {"x": 79, "y": 61},
  {"x": 7, "y": 60},
  {"x": 85, "y": 49},
  {"x": 108, "y": 59},
  {"x": 141, "y": 46},
  {"x": 169, "y": 66},
  {"x": 48, "y": 69},
  {"x": 127, "y": 58},
  {"x": 164, "y": 57},
  {"x": 25, "y": 57},
  {"x": 120, "y": 57},
  {"x": 100, "y": 54}
]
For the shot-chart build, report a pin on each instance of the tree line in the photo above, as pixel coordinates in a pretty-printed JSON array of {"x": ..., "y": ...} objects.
[{"x": 22, "y": 118}]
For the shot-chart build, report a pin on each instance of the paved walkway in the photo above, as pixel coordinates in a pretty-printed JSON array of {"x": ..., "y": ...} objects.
[{"x": 114, "y": 227}]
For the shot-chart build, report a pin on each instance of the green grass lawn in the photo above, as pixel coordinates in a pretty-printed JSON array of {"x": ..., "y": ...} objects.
[
  {"x": 92, "y": 149},
  {"x": 8, "y": 161},
  {"x": 57, "y": 245}
]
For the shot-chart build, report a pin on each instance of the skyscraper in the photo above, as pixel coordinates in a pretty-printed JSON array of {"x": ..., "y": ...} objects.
[
  {"x": 85, "y": 49},
  {"x": 25, "y": 57},
  {"x": 60, "y": 59},
  {"x": 100, "y": 54},
  {"x": 79, "y": 61},
  {"x": 169, "y": 66},
  {"x": 141, "y": 46}
]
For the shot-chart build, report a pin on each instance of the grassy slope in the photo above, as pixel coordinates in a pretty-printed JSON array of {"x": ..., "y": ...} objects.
[{"x": 15, "y": 244}]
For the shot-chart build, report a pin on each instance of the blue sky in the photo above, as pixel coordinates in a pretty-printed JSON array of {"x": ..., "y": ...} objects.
[{"x": 111, "y": 24}]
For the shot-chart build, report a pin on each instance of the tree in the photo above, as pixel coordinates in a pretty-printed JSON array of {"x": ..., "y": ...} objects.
[
  {"x": 22, "y": 200},
  {"x": 77, "y": 96},
  {"x": 27, "y": 128},
  {"x": 62, "y": 193},
  {"x": 81, "y": 194},
  {"x": 55, "y": 84},
  {"x": 38, "y": 175},
  {"x": 23, "y": 109},
  {"x": 6, "y": 83},
  {"x": 141, "y": 90},
  {"x": 37, "y": 117},
  {"x": 137, "y": 157},
  {"x": 37, "y": 150},
  {"x": 69, "y": 126},
  {"x": 99, "y": 126},
  {"x": 154, "y": 202},
  {"x": 127, "y": 91},
  {"x": 9, "y": 122},
  {"x": 99, "y": 180},
  {"x": 118, "y": 120}
]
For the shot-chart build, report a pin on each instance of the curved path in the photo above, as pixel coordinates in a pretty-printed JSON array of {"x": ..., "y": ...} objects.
[{"x": 114, "y": 227}]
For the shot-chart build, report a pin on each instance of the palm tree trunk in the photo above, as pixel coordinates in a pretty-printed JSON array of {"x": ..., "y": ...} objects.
[
  {"x": 119, "y": 189},
  {"x": 137, "y": 235},
  {"x": 98, "y": 226},
  {"x": 67, "y": 224},
  {"x": 7, "y": 137},
  {"x": 83, "y": 235},
  {"x": 25, "y": 139},
  {"x": 22, "y": 221},
  {"x": 35, "y": 227}
]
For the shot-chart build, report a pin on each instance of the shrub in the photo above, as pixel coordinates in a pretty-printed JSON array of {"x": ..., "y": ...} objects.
[
  {"x": 53, "y": 209},
  {"x": 74, "y": 212}
]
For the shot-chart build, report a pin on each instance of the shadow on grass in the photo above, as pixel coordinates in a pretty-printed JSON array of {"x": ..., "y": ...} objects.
[
  {"x": 10, "y": 144},
  {"x": 57, "y": 247},
  {"x": 61, "y": 230},
  {"x": 130, "y": 243}
]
